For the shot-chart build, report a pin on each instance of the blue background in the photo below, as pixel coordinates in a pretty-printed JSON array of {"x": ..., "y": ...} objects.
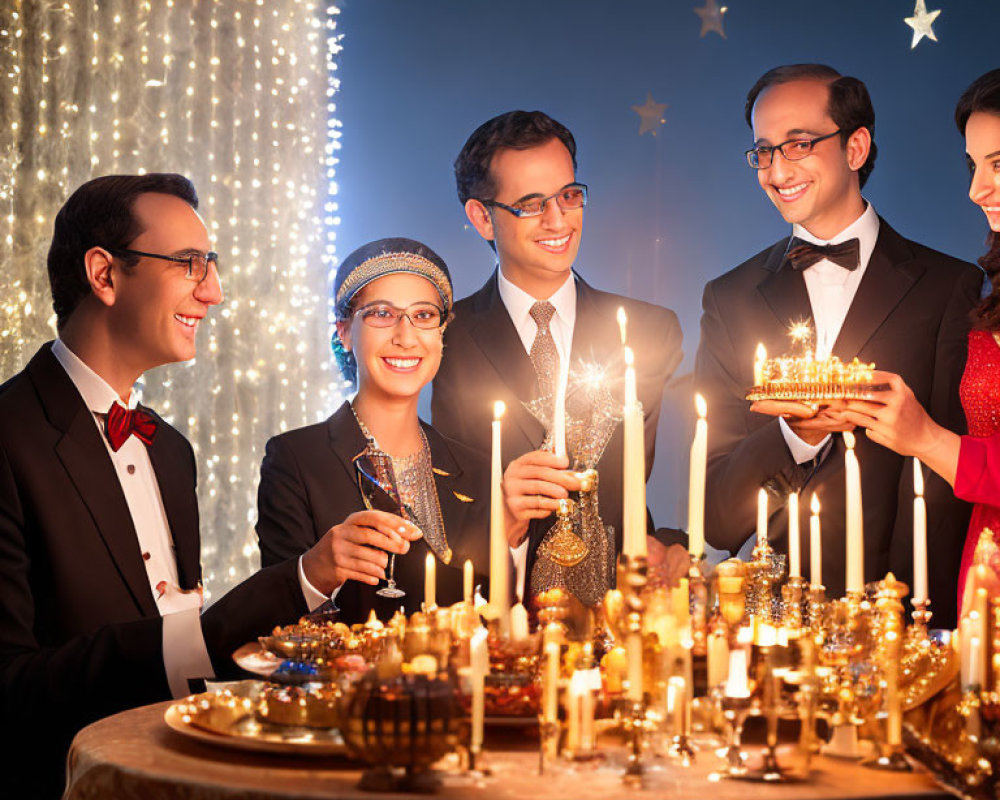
[{"x": 666, "y": 213}]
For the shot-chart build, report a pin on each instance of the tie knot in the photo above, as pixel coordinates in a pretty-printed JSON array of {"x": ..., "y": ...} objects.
[{"x": 542, "y": 313}]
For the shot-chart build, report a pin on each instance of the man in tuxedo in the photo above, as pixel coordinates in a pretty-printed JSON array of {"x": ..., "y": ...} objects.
[
  {"x": 100, "y": 599},
  {"x": 534, "y": 316},
  {"x": 870, "y": 293}
]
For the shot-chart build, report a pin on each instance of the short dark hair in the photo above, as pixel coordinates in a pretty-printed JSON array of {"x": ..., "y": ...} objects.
[
  {"x": 983, "y": 95},
  {"x": 850, "y": 105},
  {"x": 515, "y": 130},
  {"x": 99, "y": 214}
]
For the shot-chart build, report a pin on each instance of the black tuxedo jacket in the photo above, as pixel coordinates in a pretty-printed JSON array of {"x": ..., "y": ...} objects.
[
  {"x": 308, "y": 485},
  {"x": 80, "y": 634},
  {"x": 910, "y": 316},
  {"x": 484, "y": 361}
]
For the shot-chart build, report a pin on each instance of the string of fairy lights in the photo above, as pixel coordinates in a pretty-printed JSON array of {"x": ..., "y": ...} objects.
[{"x": 239, "y": 95}]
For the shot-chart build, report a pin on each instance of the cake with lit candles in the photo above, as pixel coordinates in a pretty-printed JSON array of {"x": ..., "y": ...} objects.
[{"x": 807, "y": 379}]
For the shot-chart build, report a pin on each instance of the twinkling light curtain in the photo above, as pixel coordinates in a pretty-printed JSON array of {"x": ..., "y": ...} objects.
[{"x": 239, "y": 96}]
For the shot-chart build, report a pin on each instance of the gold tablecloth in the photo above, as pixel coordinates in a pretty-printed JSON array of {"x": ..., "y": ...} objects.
[{"x": 135, "y": 755}]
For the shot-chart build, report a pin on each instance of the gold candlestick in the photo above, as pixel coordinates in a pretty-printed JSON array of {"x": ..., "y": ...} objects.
[{"x": 889, "y": 606}]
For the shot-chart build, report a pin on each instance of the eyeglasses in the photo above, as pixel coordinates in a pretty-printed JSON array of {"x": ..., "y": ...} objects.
[
  {"x": 425, "y": 316},
  {"x": 197, "y": 263},
  {"x": 571, "y": 197},
  {"x": 792, "y": 150}
]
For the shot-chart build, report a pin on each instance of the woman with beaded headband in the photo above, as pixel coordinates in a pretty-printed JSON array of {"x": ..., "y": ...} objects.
[
  {"x": 971, "y": 464},
  {"x": 392, "y": 300}
]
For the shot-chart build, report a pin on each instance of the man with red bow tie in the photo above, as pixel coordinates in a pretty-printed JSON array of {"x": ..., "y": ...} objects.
[{"x": 100, "y": 593}]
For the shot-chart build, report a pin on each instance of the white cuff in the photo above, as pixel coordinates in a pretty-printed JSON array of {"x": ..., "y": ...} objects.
[
  {"x": 314, "y": 597},
  {"x": 184, "y": 652},
  {"x": 519, "y": 555},
  {"x": 801, "y": 451}
]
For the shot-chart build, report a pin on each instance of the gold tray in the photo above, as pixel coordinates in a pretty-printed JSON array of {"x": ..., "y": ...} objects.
[{"x": 247, "y": 733}]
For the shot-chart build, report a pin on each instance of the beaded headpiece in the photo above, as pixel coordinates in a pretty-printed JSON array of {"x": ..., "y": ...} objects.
[{"x": 385, "y": 257}]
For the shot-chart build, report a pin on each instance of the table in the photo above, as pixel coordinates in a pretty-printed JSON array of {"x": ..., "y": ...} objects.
[{"x": 135, "y": 755}]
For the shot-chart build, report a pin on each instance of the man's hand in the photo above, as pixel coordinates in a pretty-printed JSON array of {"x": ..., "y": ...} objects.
[
  {"x": 357, "y": 549},
  {"x": 533, "y": 485},
  {"x": 811, "y": 425},
  {"x": 667, "y": 563}
]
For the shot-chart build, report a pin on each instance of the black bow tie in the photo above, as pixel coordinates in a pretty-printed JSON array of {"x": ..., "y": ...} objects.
[{"x": 802, "y": 255}]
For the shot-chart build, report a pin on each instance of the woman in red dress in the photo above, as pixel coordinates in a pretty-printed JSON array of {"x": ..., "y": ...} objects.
[{"x": 971, "y": 464}]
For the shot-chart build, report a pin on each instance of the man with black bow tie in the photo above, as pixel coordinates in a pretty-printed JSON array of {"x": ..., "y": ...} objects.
[
  {"x": 100, "y": 581},
  {"x": 870, "y": 293}
]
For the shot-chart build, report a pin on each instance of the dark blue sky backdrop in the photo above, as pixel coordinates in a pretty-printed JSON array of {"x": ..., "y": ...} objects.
[{"x": 668, "y": 213}]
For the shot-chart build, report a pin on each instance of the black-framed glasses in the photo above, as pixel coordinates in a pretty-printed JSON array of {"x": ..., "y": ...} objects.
[
  {"x": 197, "y": 263},
  {"x": 571, "y": 197},
  {"x": 792, "y": 150},
  {"x": 425, "y": 316}
]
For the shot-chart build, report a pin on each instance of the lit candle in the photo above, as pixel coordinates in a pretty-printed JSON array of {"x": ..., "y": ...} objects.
[
  {"x": 587, "y": 738},
  {"x": 677, "y": 687},
  {"x": 919, "y": 534},
  {"x": 622, "y": 324},
  {"x": 467, "y": 580},
  {"x": 737, "y": 684},
  {"x": 855, "y": 522},
  {"x": 574, "y": 694},
  {"x": 499, "y": 552},
  {"x": 761, "y": 517},
  {"x": 430, "y": 582},
  {"x": 634, "y": 467},
  {"x": 794, "y": 553},
  {"x": 550, "y": 705},
  {"x": 696, "y": 483},
  {"x": 559, "y": 413},
  {"x": 760, "y": 356},
  {"x": 518, "y": 623},
  {"x": 479, "y": 658},
  {"x": 718, "y": 659},
  {"x": 815, "y": 545}
]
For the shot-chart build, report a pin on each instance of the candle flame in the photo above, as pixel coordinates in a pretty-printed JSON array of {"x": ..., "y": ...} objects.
[
  {"x": 762, "y": 498},
  {"x": 629, "y": 357},
  {"x": 814, "y": 504},
  {"x": 499, "y": 408},
  {"x": 622, "y": 322},
  {"x": 761, "y": 353},
  {"x": 849, "y": 440},
  {"x": 429, "y": 559},
  {"x": 918, "y": 477},
  {"x": 701, "y": 405}
]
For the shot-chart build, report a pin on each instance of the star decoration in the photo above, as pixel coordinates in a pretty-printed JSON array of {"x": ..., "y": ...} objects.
[
  {"x": 711, "y": 18},
  {"x": 650, "y": 114},
  {"x": 921, "y": 22}
]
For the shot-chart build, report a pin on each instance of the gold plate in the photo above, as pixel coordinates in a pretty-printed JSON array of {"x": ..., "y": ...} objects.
[{"x": 249, "y": 734}]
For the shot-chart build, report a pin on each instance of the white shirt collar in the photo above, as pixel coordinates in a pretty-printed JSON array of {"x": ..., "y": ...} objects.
[
  {"x": 95, "y": 391},
  {"x": 864, "y": 229},
  {"x": 518, "y": 302}
]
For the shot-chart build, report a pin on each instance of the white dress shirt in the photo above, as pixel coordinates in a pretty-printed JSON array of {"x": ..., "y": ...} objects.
[
  {"x": 831, "y": 291},
  {"x": 185, "y": 655},
  {"x": 518, "y": 304}
]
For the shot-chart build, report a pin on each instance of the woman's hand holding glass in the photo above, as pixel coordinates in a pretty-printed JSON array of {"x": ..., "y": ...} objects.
[{"x": 358, "y": 549}]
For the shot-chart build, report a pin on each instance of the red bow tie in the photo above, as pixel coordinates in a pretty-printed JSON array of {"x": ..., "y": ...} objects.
[{"x": 122, "y": 422}]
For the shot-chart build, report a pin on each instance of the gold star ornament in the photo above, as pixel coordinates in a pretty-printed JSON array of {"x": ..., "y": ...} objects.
[
  {"x": 921, "y": 22},
  {"x": 650, "y": 115},
  {"x": 711, "y": 18}
]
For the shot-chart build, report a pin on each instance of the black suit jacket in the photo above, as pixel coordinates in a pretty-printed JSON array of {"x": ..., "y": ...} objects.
[
  {"x": 484, "y": 361},
  {"x": 80, "y": 634},
  {"x": 910, "y": 316},
  {"x": 308, "y": 485}
]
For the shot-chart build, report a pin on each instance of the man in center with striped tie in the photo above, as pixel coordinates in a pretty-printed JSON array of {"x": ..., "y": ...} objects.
[{"x": 533, "y": 320}]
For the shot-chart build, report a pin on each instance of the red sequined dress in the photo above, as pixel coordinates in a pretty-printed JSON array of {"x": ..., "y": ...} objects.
[{"x": 978, "y": 476}]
